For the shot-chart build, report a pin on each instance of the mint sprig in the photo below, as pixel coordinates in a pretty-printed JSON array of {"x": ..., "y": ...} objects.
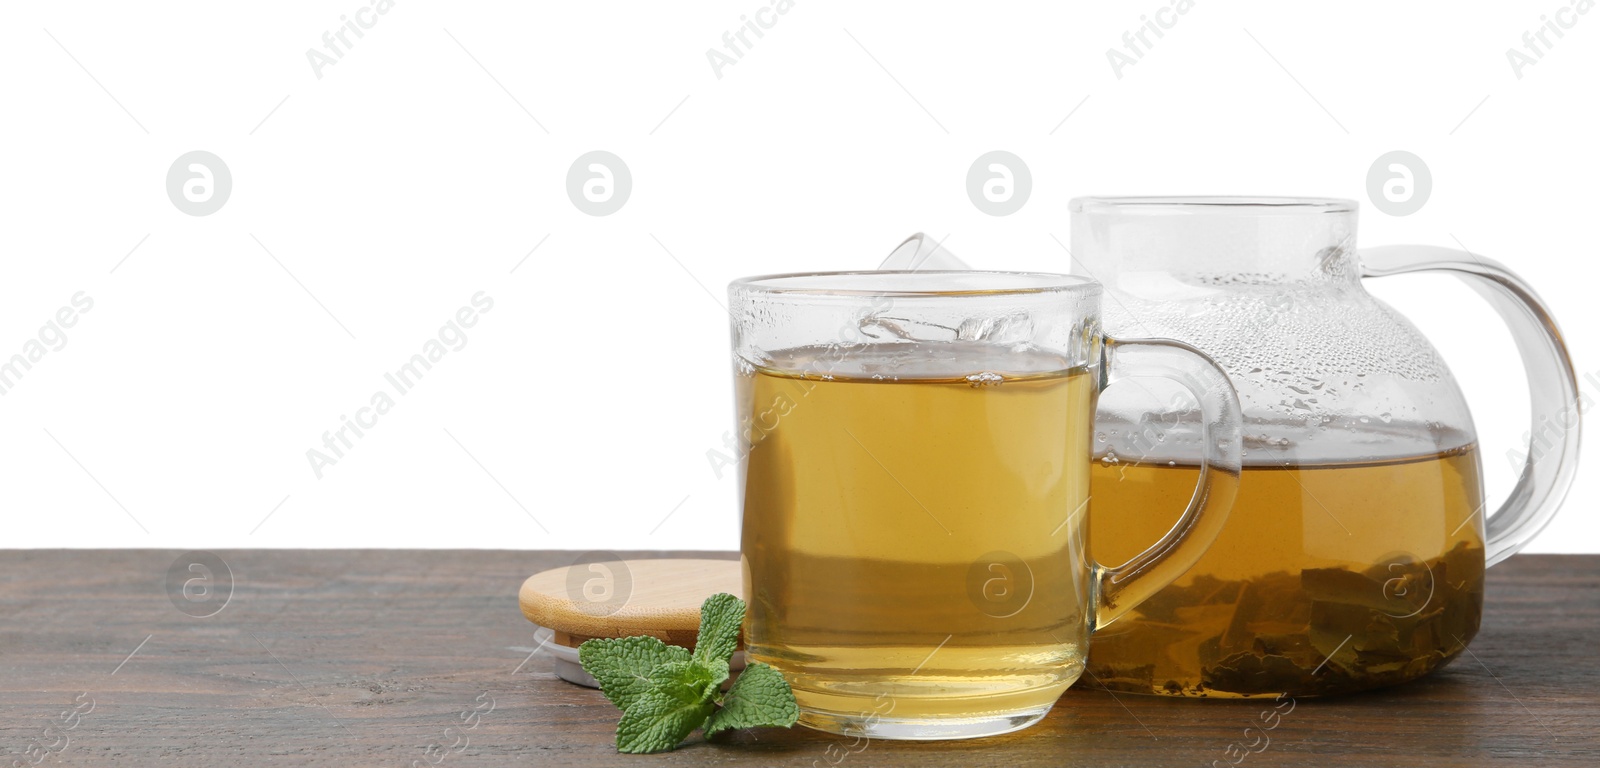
[{"x": 665, "y": 692}]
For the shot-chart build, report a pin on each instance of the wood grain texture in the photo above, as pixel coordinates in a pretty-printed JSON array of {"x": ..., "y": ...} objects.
[{"x": 368, "y": 657}]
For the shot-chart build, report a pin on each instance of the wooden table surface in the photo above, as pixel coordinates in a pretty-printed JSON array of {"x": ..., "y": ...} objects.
[{"x": 326, "y": 657}]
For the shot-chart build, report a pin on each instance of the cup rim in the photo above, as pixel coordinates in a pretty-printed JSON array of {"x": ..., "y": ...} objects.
[
  {"x": 938, "y": 282},
  {"x": 1212, "y": 204}
]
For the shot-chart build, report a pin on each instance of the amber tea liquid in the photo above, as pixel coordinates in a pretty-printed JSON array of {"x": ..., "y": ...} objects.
[
  {"x": 907, "y": 530},
  {"x": 1327, "y": 578}
]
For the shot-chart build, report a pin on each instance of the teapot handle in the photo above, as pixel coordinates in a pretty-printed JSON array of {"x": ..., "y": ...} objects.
[{"x": 1552, "y": 460}]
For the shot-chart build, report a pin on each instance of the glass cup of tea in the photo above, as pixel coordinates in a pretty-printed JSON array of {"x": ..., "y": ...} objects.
[{"x": 914, "y": 481}]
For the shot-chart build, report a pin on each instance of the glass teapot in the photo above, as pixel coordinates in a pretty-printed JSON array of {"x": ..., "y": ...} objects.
[{"x": 1355, "y": 553}]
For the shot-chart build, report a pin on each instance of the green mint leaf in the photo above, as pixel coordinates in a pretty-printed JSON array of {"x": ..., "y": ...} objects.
[
  {"x": 719, "y": 672},
  {"x": 720, "y": 618},
  {"x": 677, "y": 702},
  {"x": 760, "y": 697},
  {"x": 686, "y": 677},
  {"x": 623, "y": 665},
  {"x": 665, "y": 692}
]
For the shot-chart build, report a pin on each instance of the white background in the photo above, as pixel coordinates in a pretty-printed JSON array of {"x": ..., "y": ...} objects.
[{"x": 406, "y": 179}]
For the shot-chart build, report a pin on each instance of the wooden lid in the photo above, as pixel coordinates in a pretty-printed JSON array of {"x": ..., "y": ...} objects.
[{"x": 621, "y": 598}]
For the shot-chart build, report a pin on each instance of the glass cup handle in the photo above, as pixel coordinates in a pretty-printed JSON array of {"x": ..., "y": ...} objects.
[
  {"x": 1552, "y": 459},
  {"x": 1125, "y": 586}
]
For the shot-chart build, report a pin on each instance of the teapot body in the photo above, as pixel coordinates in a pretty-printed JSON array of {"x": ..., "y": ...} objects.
[{"x": 1354, "y": 555}]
